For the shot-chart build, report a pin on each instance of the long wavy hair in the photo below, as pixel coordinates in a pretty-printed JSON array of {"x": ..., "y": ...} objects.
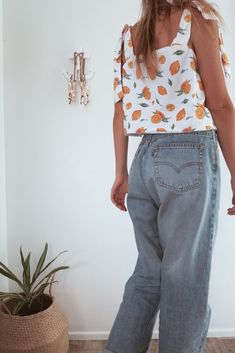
[{"x": 145, "y": 28}]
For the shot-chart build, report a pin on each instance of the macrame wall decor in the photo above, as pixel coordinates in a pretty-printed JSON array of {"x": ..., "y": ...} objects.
[{"x": 77, "y": 81}]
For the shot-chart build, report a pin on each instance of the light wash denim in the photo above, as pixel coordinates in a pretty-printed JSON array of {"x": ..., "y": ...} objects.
[{"x": 173, "y": 201}]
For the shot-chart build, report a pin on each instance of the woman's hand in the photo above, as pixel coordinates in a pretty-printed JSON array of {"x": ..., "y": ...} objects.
[
  {"x": 231, "y": 210},
  {"x": 119, "y": 190}
]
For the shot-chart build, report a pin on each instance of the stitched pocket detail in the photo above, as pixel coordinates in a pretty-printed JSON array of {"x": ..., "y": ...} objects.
[{"x": 178, "y": 165}]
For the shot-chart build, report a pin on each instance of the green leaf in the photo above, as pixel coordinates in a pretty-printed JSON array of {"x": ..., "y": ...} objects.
[
  {"x": 159, "y": 73},
  {"x": 35, "y": 293},
  {"x": 158, "y": 102},
  {"x": 179, "y": 52},
  {"x": 169, "y": 82},
  {"x": 51, "y": 262},
  {"x": 182, "y": 30},
  {"x": 40, "y": 263},
  {"x": 27, "y": 262},
  {"x": 165, "y": 120},
  {"x": 11, "y": 295},
  {"x": 7, "y": 273},
  {"x": 49, "y": 274},
  {"x": 17, "y": 307},
  {"x": 22, "y": 256},
  {"x": 41, "y": 289},
  {"x": 144, "y": 105},
  {"x": 26, "y": 274},
  {"x": 26, "y": 271}
]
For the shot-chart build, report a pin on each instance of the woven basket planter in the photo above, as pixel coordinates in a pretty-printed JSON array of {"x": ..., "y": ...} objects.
[{"x": 43, "y": 332}]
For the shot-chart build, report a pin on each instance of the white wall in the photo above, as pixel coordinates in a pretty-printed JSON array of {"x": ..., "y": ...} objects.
[
  {"x": 3, "y": 229},
  {"x": 60, "y": 162}
]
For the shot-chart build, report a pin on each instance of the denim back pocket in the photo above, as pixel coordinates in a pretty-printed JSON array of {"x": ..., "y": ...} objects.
[{"x": 178, "y": 165}]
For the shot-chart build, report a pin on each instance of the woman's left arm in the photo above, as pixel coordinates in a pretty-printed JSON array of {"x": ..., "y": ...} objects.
[{"x": 120, "y": 185}]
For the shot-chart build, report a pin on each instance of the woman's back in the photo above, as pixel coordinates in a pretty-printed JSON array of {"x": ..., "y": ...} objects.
[
  {"x": 165, "y": 29},
  {"x": 172, "y": 98}
]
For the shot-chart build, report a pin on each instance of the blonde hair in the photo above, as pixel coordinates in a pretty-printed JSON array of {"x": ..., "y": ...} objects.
[{"x": 145, "y": 27}]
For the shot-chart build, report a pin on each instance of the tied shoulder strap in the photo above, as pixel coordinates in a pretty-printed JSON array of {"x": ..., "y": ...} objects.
[
  {"x": 223, "y": 54},
  {"x": 117, "y": 68},
  {"x": 120, "y": 41},
  {"x": 184, "y": 30}
]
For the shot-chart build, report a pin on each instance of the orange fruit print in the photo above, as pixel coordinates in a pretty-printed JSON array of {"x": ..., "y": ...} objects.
[
  {"x": 225, "y": 59},
  {"x": 140, "y": 130},
  {"x": 126, "y": 90},
  {"x": 161, "y": 129},
  {"x": 162, "y": 59},
  {"x": 157, "y": 117},
  {"x": 120, "y": 95},
  {"x": 185, "y": 88},
  {"x": 200, "y": 112},
  {"x": 175, "y": 67},
  {"x": 193, "y": 64},
  {"x": 162, "y": 90},
  {"x": 128, "y": 105},
  {"x": 168, "y": 97},
  {"x": 187, "y": 129},
  {"x": 115, "y": 82},
  {"x": 146, "y": 93},
  {"x": 136, "y": 114},
  {"x": 181, "y": 114},
  {"x": 130, "y": 64},
  {"x": 170, "y": 107},
  {"x": 187, "y": 18}
]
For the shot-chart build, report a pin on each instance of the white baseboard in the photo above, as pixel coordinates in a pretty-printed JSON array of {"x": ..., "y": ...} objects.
[{"x": 103, "y": 335}]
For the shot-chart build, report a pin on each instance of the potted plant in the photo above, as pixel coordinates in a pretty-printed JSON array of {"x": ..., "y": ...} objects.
[{"x": 30, "y": 320}]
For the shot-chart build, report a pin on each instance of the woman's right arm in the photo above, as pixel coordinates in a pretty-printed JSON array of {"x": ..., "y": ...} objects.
[{"x": 205, "y": 40}]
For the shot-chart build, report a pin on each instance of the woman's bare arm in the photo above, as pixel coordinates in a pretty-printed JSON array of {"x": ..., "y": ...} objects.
[
  {"x": 120, "y": 185},
  {"x": 120, "y": 141},
  {"x": 205, "y": 41}
]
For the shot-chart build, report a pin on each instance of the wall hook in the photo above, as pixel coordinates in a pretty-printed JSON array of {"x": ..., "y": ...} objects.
[{"x": 77, "y": 81}]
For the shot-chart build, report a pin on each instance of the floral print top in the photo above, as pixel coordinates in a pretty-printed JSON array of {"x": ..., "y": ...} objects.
[{"x": 173, "y": 99}]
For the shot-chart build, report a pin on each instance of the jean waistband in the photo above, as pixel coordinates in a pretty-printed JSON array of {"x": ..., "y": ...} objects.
[{"x": 151, "y": 137}]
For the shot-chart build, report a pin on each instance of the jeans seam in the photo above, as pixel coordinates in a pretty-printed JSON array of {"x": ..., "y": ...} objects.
[
  {"x": 134, "y": 158},
  {"x": 141, "y": 174},
  {"x": 202, "y": 341},
  {"x": 212, "y": 216},
  {"x": 213, "y": 198}
]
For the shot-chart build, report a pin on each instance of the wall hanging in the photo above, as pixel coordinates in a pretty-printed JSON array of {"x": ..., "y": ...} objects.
[{"x": 77, "y": 80}]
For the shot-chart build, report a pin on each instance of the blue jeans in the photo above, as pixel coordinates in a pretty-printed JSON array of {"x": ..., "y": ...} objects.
[{"x": 173, "y": 201}]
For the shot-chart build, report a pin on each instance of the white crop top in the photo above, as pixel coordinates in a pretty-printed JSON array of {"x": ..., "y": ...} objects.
[{"x": 172, "y": 100}]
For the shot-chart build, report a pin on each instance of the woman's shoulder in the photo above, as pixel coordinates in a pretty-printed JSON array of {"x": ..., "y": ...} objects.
[{"x": 203, "y": 25}]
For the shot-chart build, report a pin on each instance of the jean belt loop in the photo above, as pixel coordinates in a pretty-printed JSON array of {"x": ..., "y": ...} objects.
[
  {"x": 213, "y": 136},
  {"x": 149, "y": 139}
]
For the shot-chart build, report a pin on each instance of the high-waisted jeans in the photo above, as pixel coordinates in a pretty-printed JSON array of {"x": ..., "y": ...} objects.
[{"x": 173, "y": 202}]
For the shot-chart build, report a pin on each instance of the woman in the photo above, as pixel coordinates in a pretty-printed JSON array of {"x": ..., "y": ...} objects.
[{"x": 170, "y": 88}]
